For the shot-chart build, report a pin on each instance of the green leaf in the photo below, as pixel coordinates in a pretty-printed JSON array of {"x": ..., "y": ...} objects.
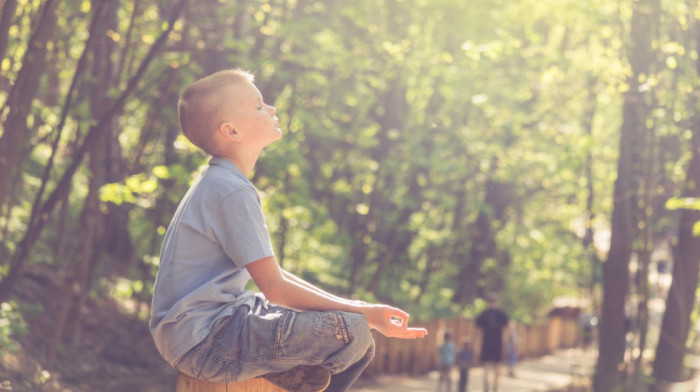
[{"x": 687, "y": 203}]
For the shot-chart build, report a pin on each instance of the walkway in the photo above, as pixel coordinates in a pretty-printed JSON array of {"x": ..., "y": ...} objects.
[{"x": 556, "y": 372}]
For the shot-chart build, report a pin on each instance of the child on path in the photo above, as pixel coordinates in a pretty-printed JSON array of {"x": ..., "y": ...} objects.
[
  {"x": 203, "y": 320},
  {"x": 465, "y": 360},
  {"x": 447, "y": 360},
  {"x": 513, "y": 341}
]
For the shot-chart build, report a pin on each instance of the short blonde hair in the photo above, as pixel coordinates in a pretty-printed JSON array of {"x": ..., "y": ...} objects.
[{"x": 200, "y": 104}]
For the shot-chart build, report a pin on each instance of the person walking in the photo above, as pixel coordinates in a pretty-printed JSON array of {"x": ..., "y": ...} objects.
[
  {"x": 447, "y": 351},
  {"x": 465, "y": 360},
  {"x": 513, "y": 341},
  {"x": 491, "y": 324}
]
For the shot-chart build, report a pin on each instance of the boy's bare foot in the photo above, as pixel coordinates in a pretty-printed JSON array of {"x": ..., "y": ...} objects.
[{"x": 301, "y": 379}]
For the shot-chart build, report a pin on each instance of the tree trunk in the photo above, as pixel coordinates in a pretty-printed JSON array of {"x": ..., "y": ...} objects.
[
  {"x": 75, "y": 285},
  {"x": 608, "y": 375},
  {"x": 104, "y": 78},
  {"x": 589, "y": 236},
  {"x": 394, "y": 118},
  {"x": 482, "y": 235},
  {"x": 42, "y": 211},
  {"x": 650, "y": 216},
  {"x": 668, "y": 365},
  {"x": 616, "y": 268},
  {"x": 7, "y": 13},
  {"x": 675, "y": 327},
  {"x": 19, "y": 102}
]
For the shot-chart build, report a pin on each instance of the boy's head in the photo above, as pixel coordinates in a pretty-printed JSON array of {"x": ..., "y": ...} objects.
[
  {"x": 220, "y": 105},
  {"x": 448, "y": 336}
]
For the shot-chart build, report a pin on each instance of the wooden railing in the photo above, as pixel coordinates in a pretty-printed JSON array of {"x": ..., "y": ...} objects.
[{"x": 396, "y": 356}]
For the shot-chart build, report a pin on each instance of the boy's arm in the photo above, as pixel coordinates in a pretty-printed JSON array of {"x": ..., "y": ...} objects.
[
  {"x": 311, "y": 287},
  {"x": 284, "y": 289}
]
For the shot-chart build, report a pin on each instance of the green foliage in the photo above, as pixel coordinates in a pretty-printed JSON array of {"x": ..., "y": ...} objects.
[
  {"x": 398, "y": 117},
  {"x": 12, "y": 326},
  {"x": 688, "y": 203}
]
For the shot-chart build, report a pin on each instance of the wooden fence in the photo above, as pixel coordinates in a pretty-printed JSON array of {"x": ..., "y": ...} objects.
[{"x": 415, "y": 357}]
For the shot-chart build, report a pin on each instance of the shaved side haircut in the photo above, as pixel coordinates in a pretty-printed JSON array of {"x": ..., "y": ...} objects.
[{"x": 200, "y": 105}]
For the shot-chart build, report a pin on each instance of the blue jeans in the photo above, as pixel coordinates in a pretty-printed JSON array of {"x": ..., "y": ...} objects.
[{"x": 270, "y": 339}]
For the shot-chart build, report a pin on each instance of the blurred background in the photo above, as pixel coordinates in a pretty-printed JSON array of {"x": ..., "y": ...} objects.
[{"x": 434, "y": 152}]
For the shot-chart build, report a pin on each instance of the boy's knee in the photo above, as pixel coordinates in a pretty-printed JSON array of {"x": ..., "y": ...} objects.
[
  {"x": 360, "y": 336},
  {"x": 358, "y": 329}
]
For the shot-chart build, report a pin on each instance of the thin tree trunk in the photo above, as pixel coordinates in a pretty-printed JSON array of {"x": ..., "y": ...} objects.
[
  {"x": 675, "y": 327},
  {"x": 76, "y": 270},
  {"x": 16, "y": 133},
  {"x": 482, "y": 236},
  {"x": 431, "y": 256},
  {"x": 105, "y": 78},
  {"x": 7, "y": 13},
  {"x": 393, "y": 118},
  {"x": 588, "y": 239},
  {"x": 42, "y": 211},
  {"x": 608, "y": 375},
  {"x": 616, "y": 268},
  {"x": 650, "y": 216}
]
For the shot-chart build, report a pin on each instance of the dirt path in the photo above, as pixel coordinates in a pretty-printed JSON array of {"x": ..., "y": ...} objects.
[{"x": 555, "y": 372}]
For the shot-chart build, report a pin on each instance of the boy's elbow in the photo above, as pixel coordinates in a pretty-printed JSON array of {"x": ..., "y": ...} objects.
[
  {"x": 274, "y": 296},
  {"x": 277, "y": 293}
]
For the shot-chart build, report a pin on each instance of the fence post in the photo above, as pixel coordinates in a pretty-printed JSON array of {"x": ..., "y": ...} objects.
[{"x": 554, "y": 333}]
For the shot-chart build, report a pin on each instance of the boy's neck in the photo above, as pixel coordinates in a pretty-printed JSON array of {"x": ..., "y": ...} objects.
[{"x": 245, "y": 164}]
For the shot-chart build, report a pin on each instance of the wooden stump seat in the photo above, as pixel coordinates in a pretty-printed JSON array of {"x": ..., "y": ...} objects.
[{"x": 189, "y": 384}]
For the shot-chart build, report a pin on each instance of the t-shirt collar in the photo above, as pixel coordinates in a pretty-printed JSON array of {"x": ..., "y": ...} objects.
[{"x": 218, "y": 161}]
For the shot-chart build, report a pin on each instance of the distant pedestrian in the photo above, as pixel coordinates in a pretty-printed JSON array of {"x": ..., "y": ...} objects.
[
  {"x": 512, "y": 347},
  {"x": 447, "y": 351},
  {"x": 661, "y": 276},
  {"x": 465, "y": 360},
  {"x": 662, "y": 267},
  {"x": 492, "y": 323},
  {"x": 587, "y": 323}
]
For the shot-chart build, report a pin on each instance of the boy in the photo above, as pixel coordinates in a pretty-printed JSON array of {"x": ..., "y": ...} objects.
[
  {"x": 447, "y": 360},
  {"x": 465, "y": 360},
  {"x": 203, "y": 321}
]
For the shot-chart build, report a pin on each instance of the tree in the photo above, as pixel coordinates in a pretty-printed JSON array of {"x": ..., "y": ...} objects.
[
  {"x": 613, "y": 330},
  {"x": 19, "y": 102},
  {"x": 668, "y": 365},
  {"x": 41, "y": 210}
]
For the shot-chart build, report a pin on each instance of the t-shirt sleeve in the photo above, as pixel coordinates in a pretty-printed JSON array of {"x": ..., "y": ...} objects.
[
  {"x": 504, "y": 319},
  {"x": 240, "y": 228},
  {"x": 480, "y": 320}
]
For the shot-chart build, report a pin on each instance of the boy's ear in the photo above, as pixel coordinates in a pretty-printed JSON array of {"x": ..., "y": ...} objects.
[{"x": 227, "y": 131}]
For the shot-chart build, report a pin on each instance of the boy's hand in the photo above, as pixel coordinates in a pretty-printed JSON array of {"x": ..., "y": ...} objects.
[{"x": 392, "y": 322}]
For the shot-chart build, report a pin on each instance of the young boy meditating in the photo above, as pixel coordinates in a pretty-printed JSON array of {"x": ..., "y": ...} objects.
[{"x": 203, "y": 320}]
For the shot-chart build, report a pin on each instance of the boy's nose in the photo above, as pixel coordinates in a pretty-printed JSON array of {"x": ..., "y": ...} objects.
[{"x": 272, "y": 109}]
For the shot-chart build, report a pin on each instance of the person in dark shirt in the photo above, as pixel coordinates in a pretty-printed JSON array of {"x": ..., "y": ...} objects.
[{"x": 491, "y": 325}]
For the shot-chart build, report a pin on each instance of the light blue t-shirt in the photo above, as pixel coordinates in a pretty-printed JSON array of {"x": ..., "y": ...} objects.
[
  {"x": 217, "y": 230},
  {"x": 447, "y": 353}
]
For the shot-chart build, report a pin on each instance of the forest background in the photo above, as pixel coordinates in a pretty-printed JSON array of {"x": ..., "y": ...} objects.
[{"x": 433, "y": 152}]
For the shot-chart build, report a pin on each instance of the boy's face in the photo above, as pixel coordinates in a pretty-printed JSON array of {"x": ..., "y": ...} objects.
[{"x": 253, "y": 120}]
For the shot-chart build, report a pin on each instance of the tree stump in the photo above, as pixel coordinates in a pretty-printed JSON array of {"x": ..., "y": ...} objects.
[{"x": 189, "y": 384}]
